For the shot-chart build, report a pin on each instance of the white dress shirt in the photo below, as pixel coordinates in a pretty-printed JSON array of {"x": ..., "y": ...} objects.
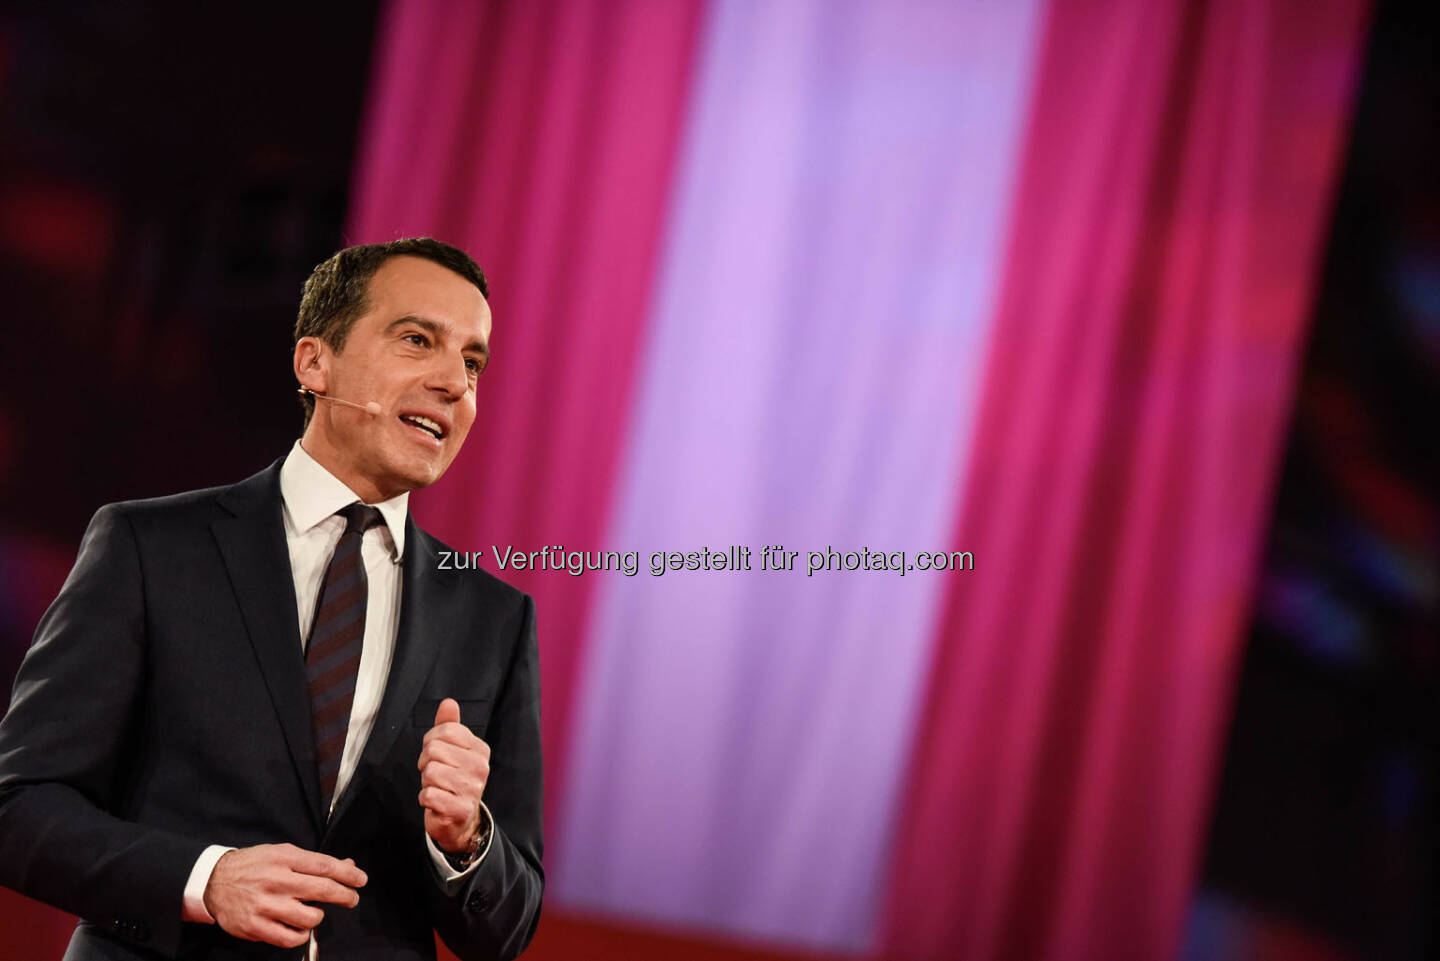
[{"x": 311, "y": 496}]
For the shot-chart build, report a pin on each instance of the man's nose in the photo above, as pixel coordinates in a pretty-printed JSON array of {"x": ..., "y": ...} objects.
[{"x": 450, "y": 376}]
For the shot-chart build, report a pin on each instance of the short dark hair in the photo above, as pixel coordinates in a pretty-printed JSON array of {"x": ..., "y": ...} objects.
[{"x": 336, "y": 292}]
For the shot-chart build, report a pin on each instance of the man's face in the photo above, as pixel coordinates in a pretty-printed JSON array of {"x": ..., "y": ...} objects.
[{"x": 417, "y": 352}]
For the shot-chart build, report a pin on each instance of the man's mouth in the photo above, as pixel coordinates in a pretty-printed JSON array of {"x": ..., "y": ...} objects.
[{"x": 424, "y": 423}]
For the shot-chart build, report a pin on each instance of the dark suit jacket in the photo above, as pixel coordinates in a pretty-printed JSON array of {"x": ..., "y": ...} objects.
[{"x": 163, "y": 707}]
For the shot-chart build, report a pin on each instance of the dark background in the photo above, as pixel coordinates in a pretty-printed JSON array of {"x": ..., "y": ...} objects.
[
  {"x": 1326, "y": 810},
  {"x": 171, "y": 173}
]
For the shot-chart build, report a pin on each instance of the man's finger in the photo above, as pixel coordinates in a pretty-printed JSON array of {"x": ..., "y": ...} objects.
[
  {"x": 456, "y": 734},
  {"x": 444, "y": 804},
  {"x": 293, "y": 914},
  {"x": 280, "y": 935},
  {"x": 451, "y": 779},
  {"x": 305, "y": 887},
  {"x": 447, "y": 752},
  {"x": 324, "y": 866},
  {"x": 448, "y": 712}
]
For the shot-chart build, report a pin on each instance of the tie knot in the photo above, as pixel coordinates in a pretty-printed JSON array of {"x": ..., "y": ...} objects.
[{"x": 360, "y": 518}]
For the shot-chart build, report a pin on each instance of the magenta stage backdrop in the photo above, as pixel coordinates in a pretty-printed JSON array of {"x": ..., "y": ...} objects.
[{"x": 1021, "y": 278}]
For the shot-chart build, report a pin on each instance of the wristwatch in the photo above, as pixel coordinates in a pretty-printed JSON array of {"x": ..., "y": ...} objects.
[{"x": 479, "y": 841}]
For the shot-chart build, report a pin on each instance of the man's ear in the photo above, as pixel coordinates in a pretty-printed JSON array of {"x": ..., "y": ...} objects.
[{"x": 312, "y": 363}]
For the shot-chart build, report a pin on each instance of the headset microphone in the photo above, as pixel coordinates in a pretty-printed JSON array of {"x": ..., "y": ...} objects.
[{"x": 371, "y": 408}]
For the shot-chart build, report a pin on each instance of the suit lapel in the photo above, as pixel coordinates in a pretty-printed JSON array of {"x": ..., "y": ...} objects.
[
  {"x": 252, "y": 542},
  {"x": 424, "y": 618}
]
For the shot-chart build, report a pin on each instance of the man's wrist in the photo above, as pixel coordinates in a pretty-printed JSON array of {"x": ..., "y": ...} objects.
[
  {"x": 479, "y": 843},
  {"x": 193, "y": 907}
]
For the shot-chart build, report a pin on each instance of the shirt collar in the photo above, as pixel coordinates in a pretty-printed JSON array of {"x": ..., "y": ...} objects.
[{"x": 311, "y": 494}]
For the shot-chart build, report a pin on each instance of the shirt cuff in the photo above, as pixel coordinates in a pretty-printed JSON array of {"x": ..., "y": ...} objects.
[
  {"x": 449, "y": 874},
  {"x": 193, "y": 907}
]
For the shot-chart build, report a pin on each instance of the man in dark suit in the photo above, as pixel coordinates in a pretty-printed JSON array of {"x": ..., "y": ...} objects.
[{"x": 259, "y": 721}]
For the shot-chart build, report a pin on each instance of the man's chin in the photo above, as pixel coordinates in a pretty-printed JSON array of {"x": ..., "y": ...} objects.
[
  {"x": 418, "y": 476},
  {"x": 408, "y": 470}
]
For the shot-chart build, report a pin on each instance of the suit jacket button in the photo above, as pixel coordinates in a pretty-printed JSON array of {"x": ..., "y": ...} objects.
[{"x": 476, "y": 902}]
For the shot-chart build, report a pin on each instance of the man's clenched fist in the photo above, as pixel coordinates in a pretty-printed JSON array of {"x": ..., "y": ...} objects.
[{"x": 454, "y": 766}]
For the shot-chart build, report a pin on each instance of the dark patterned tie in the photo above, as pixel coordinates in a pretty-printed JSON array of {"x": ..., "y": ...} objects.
[{"x": 332, "y": 656}]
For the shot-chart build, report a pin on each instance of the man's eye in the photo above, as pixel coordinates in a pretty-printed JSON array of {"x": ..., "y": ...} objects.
[
  {"x": 474, "y": 366},
  {"x": 417, "y": 339}
]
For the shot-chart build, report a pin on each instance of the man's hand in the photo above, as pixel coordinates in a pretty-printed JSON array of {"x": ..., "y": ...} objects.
[
  {"x": 258, "y": 893},
  {"x": 454, "y": 766}
]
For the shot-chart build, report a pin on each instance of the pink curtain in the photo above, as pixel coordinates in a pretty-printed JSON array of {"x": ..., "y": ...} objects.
[
  {"x": 540, "y": 137},
  {"x": 1167, "y": 230}
]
